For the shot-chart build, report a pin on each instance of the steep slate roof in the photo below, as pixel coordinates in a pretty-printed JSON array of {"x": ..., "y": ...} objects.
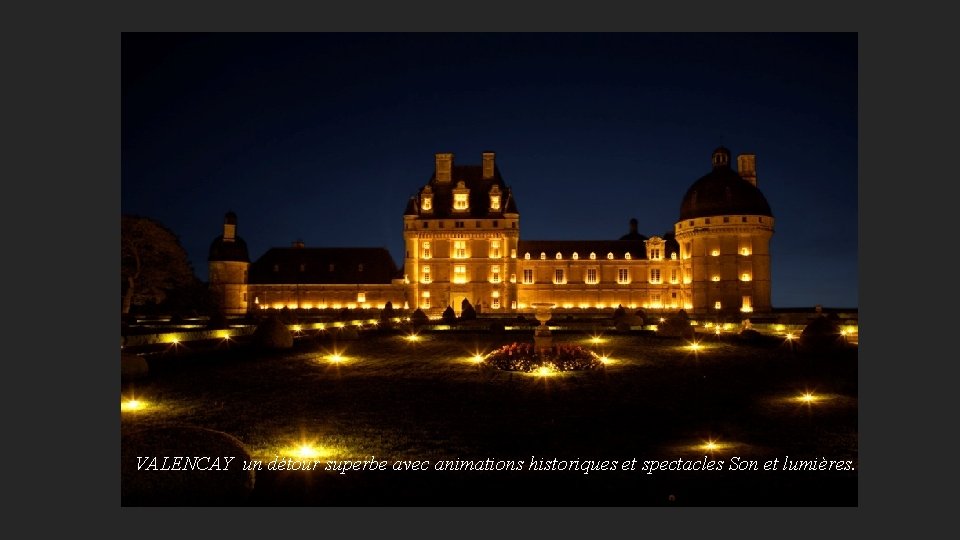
[
  {"x": 723, "y": 192},
  {"x": 221, "y": 250},
  {"x": 350, "y": 265},
  {"x": 472, "y": 177}
]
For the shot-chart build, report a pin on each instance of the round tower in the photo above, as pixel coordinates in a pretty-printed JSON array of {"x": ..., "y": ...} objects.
[
  {"x": 724, "y": 235},
  {"x": 229, "y": 268}
]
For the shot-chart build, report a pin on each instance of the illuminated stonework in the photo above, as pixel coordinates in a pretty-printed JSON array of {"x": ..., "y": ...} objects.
[{"x": 461, "y": 235}]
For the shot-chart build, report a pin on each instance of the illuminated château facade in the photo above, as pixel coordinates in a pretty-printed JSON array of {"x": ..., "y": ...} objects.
[{"x": 461, "y": 235}]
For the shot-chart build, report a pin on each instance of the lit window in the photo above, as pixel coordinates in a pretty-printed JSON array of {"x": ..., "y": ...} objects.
[
  {"x": 591, "y": 275},
  {"x": 426, "y": 250},
  {"x": 593, "y": 256},
  {"x": 361, "y": 297},
  {"x": 610, "y": 255},
  {"x": 558, "y": 276},
  {"x": 716, "y": 278},
  {"x": 459, "y": 249},
  {"x": 513, "y": 304},
  {"x": 576, "y": 255},
  {"x": 427, "y": 203},
  {"x": 460, "y": 201},
  {"x": 623, "y": 275},
  {"x": 495, "y": 249},
  {"x": 513, "y": 253},
  {"x": 425, "y": 300},
  {"x": 513, "y": 278},
  {"x": 655, "y": 300},
  {"x": 495, "y": 274},
  {"x": 627, "y": 256},
  {"x": 494, "y": 202},
  {"x": 559, "y": 256},
  {"x": 425, "y": 274},
  {"x": 655, "y": 254},
  {"x": 528, "y": 275},
  {"x": 526, "y": 255},
  {"x": 747, "y": 305},
  {"x": 495, "y": 302},
  {"x": 673, "y": 256},
  {"x": 655, "y": 275},
  {"x": 715, "y": 253},
  {"x": 673, "y": 275},
  {"x": 744, "y": 277},
  {"x": 543, "y": 256},
  {"x": 460, "y": 273},
  {"x": 716, "y": 305},
  {"x": 745, "y": 251}
]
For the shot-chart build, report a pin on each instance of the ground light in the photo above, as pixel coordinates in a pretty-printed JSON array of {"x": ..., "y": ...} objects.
[
  {"x": 133, "y": 405},
  {"x": 477, "y": 358},
  {"x": 412, "y": 338}
]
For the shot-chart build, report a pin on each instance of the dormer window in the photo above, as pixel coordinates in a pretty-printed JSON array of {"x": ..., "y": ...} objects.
[
  {"x": 593, "y": 256},
  {"x": 495, "y": 198},
  {"x": 461, "y": 197},
  {"x": 559, "y": 256},
  {"x": 526, "y": 256},
  {"x": 627, "y": 256},
  {"x": 610, "y": 256},
  {"x": 543, "y": 256},
  {"x": 576, "y": 255},
  {"x": 426, "y": 200}
]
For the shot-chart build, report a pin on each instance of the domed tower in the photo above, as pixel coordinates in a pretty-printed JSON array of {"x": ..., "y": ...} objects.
[
  {"x": 724, "y": 235},
  {"x": 229, "y": 266}
]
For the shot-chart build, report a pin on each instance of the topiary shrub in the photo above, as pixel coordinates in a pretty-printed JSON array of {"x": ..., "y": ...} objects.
[
  {"x": 387, "y": 312},
  {"x": 619, "y": 313},
  {"x": 677, "y": 325},
  {"x": 822, "y": 334},
  {"x": 272, "y": 333},
  {"x": 449, "y": 317},
  {"x": 419, "y": 318},
  {"x": 467, "y": 313}
]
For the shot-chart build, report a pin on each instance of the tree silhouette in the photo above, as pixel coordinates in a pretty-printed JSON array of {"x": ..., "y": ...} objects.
[{"x": 153, "y": 264}]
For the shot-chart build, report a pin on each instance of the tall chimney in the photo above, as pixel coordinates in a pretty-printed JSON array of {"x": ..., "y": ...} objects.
[
  {"x": 488, "y": 165},
  {"x": 444, "y": 169},
  {"x": 747, "y": 167}
]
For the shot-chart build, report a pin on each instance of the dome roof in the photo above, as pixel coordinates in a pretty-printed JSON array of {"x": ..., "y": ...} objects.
[
  {"x": 221, "y": 250},
  {"x": 723, "y": 192}
]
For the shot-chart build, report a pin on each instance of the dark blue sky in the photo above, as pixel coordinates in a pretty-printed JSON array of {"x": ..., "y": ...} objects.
[{"x": 323, "y": 137}]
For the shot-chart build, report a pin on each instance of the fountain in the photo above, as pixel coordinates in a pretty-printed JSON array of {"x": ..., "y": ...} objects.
[{"x": 541, "y": 336}]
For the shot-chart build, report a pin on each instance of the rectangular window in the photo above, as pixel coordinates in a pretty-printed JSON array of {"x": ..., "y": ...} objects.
[
  {"x": 655, "y": 254},
  {"x": 528, "y": 275},
  {"x": 440, "y": 224},
  {"x": 425, "y": 274},
  {"x": 716, "y": 305},
  {"x": 494, "y": 249},
  {"x": 591, "y": 275},
  {"x": 623, "y": 275},
  {"x": 655, "y": 299},
  {"x": 513, "y": 253},
  {"x": 673, "y": 275},
  {"x": 726, "y": 219},
  {"x": 460, "y": 273},
  {"x": 655, "y": 275},
  {"x": 426, "y": 224},
  {"x": 494, "y": 202},
  {"x": 747, "y": 305},
  {"x": 425, "y": 300},
  {"x": 494, "y": 224},
  {"x": 459, "y": 201},
  {"x": 458, "y": 224},
  {"x": 361, "y": 297},
  {"x": 427, "y": 253},
  {"x": 513, "y": 278},
  {"x": 513, "y": 304},
  {"x": 479, "y": 224},
  {"x": 495, "y": 274},
  {"x": 495, "y": 303},
  {"x": 745, "y": 277},
  {"x": 558, "y": 276},
  {"x": 459, "y": 249}
]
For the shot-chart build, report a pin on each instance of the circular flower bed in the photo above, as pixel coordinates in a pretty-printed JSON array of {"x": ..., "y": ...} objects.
[{"x": 526, "y": 357}]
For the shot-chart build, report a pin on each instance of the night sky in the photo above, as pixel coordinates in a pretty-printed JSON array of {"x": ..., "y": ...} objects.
[{"x": 323, "y": 137}]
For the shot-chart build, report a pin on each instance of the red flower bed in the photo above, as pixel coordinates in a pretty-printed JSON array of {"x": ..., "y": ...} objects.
[{"x": 526, "y": 357}]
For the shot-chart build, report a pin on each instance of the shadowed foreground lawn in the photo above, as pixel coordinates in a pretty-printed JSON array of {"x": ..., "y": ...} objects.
[{"x": 398, "y": 400}]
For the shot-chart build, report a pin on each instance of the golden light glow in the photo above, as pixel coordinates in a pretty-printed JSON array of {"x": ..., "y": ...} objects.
[
  {"x": 131, "y": 405},
  {"x": 339, "y": 324},
  {"x": 545, "y": 371},
  {"x": 297, "y": 328},
  {"x": 695, "y": 347},
  {"x": 173, "y": 339},
  {"x": 477, "y": 358},
  {"x": 605, "y": 359},
  {"x": 717, "y": 331},
  {"x": 306, "y": 451},
  {"x": 807, "y": 397},
  {"x": 412, "y": 337},
  {"x": 716, "y": 278},
  {"x": 710, "y": 445},
  {"x": 336, "y": 358},
  {"x": 715, "y": 253},
  {"x": 596, "y": 339},
  {"x": 779, "y": 327},
  {"x": 790, "y": 337},
  {"x": 663, "y": 320}
]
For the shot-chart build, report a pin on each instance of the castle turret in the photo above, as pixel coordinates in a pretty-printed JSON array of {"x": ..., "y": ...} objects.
[
  {"x": 229, "y": 264},
  {"x": 724, "y": 234}
]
